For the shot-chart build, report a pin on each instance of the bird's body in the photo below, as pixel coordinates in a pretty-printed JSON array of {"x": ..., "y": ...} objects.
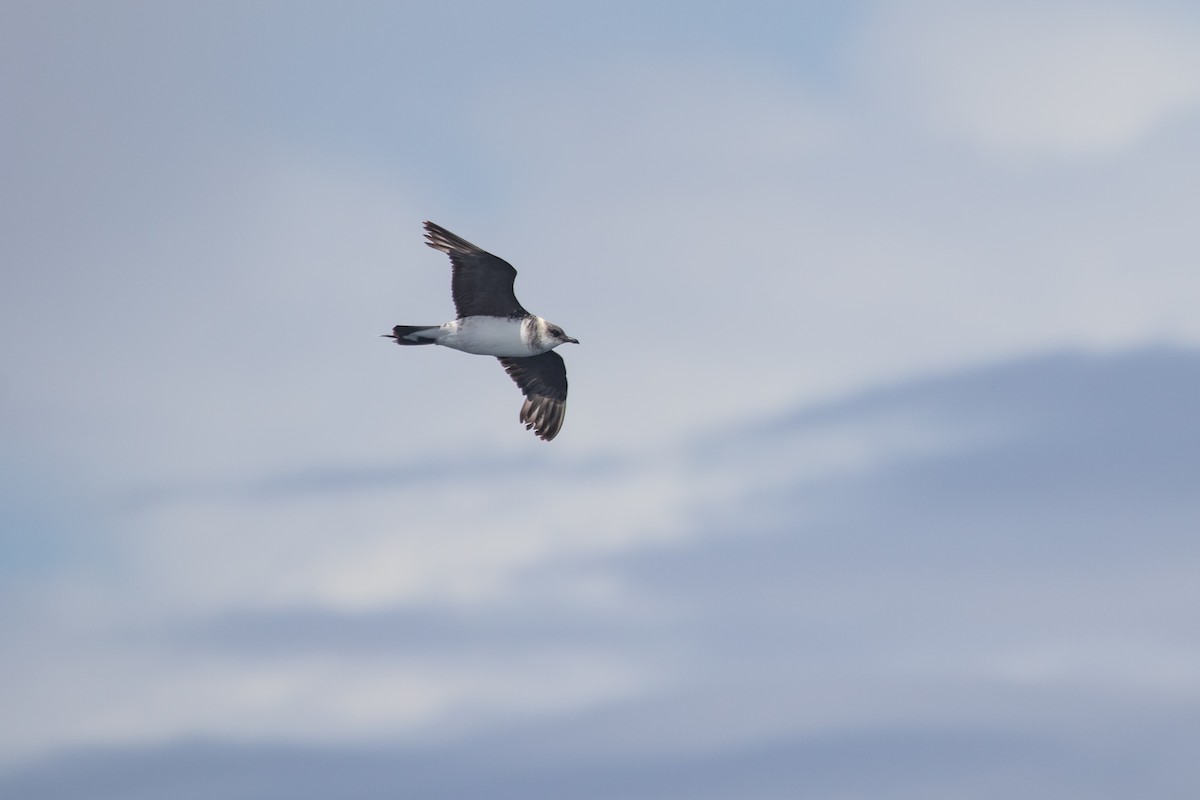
[
  {"x": 492, "y": 323},
  {"x": 516, "y": 337}
]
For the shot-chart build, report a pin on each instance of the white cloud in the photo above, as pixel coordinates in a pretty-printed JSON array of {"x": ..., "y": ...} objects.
[
  {"x": 126, "y": 694},
  {"x": 1058, "y": 78},
  {"x": 447, "y": 540},
  {"x": 454, "y": 543}
]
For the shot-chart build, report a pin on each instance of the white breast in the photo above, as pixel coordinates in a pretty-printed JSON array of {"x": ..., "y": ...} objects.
[{"x": 487, "y": 336}]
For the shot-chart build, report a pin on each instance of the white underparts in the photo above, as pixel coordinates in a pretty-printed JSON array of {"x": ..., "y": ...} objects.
[{"x": 492, "y": 336}]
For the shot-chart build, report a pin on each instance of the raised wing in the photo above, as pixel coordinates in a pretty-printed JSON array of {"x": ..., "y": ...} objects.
[
  {"x": 543, "y": 381},
  {"x": 482, "y": 284}
]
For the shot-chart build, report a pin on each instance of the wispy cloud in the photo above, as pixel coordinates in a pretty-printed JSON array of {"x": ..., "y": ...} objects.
[
  {"x": 1053, "y": 79},
  {"x": 998, "y": 586}
]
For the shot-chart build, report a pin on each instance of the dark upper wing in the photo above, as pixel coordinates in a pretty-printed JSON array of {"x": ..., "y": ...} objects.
[
  {"x": 543, "y": 380},
  {"x": 481, "y": 282}
]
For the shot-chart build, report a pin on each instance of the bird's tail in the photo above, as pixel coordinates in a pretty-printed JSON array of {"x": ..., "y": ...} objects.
[{"x": 414, "y": 334}]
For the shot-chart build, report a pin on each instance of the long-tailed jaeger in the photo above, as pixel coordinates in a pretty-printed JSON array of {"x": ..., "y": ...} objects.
[{"x": 492, "y": 323}]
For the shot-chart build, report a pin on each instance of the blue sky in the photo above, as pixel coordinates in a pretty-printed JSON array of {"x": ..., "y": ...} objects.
[{"x": 880, "y": 447}]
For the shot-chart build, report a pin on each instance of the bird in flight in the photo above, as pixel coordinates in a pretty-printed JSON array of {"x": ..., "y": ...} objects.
[{"x": 492, "y": 323}]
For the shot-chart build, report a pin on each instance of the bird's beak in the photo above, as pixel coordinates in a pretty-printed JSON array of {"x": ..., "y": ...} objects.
[{"x": 572, "y": 341}]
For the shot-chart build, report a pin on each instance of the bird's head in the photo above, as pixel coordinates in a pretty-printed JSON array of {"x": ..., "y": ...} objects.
[{"x": 559, "y": 335}]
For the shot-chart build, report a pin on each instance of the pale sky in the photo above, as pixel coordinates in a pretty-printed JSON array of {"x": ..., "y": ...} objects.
[{"x": 880, "y": 444}]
